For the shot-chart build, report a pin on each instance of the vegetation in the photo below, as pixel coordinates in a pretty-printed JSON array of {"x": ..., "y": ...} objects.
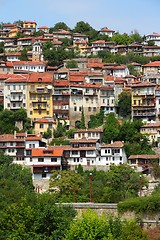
[
  {"x": 8, "y": 119},
  {"x": 149, "y": 204},
  {"x": 119, "y": 183},
  {"x": 96, "y": 120},
  {"x": 124, "y": 105},
  {"x": 91, "y": 227},
  {"x": 72, "y": 64}
]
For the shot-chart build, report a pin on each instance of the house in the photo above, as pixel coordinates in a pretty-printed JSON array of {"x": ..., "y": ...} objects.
[
  {"x": 155, "y": 37},
  {"x": 95, "y": 64},
  {"x": 14, "y": 146},
  {"x": 151, "y": 68},
  {"x": 143, "y": 101},
  {"x": 61, "y": 96},
  {"x": 62, "y": 34},
  {"x": 24, "y": 42},
  {"x": 40, "y": 95},
  {"x": 10, "y": 45},
  {"x": 30, "y": 25},
  {"x": 101, "y": 45},
  {"x": 79, "y": 37},
  {"x": 89, "y": 134},
  {"x": 29, "y": 66},
  {"x": 151, "y": 131},
  {"x": 106, "y": 31},
  {"x": 83, "y": 96},
  {"x": 6, "y": 67},
  {"x": 151, "y": 51},
  {"x": 14, "y": 31},
  {"x": 113, "y": 153},
  {"x": 43, "y": 124},
  {"x": 116, "y": 70},
  {"x": 107, "y": 99},
  {"x": 45, "y": 160},
  {"x": 15, "y": 92},
  {"x": 44, "y": 29},
  {"x": 143, "y": 162},
  {"x": 8, "y": 26},
  {"x": 13, "y": 56},
  {"x": 121, "y": 49},
  {"x": 157, "y": 97},
  {"x": 81, "y": 62}
]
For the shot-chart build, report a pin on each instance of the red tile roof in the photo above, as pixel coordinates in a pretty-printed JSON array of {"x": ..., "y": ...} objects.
[
  {"x": 44, "y": 120},
  {"x": 105, "y": 29},
  {"x": 117, "y": 144},
  {"x": 89, "y": 130},
  {"x": 17, "y": 63},
  {"x": 15, "y": 78},
  {"x": 61, "y": 83},
  {"x": 152, "y": 64},
  {"x": 47, "y": 152},
  {"x": 144, "y": 156},
  {"x": 43, "y": 27},
  {"x": 41, "y": 77}
]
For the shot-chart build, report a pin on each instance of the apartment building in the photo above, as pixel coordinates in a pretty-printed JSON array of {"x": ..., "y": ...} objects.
[
  {"x": 40, "y": 87},
  {"x": 15, "y": 92},
  {"x": 143, "y": 101}
]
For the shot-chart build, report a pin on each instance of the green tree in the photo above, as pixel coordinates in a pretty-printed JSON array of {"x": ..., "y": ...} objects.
[
  {"x": 122, "y": 183},
  {"x": 91, "y": 227},
  {"x": 24, "y": 56},
  {"x": 132, "y": 70},
  {"x": 5, "y": 159},
  {"x": 72, "y": 64},
  {"x": 55, "y": 57},
  {"x": 58, "y": 26},
  {"x": 65, "y": 184},
  {"x": 111, "y": 128},
  {"x": 124, "y": 104},
  {"x": 82, "y": 121},
  {"x": 47, "y": 134},
  {"x": 150, "y": 43},
  {"x": 1, "y": 47},
  {"x": 61, "y": 130},
  {"x": 96, "y": 120},
  {"x": 18, "y": 23}
]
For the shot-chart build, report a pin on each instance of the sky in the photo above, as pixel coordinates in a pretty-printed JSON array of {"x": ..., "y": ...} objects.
[{"x": 119, "y": 15}]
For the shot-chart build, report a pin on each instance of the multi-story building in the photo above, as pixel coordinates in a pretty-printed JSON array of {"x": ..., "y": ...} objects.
[
  {"x": 42, "y": 125},
  {"x": 24, "y": 42},
  {"x": 151, "y": 131},
  {"x": 107, "y": 99},
  {"x": 113, "y": 153},
  {"x": 151, "y": 68},
  {"x": 40, "y": 86},
  {"x": 102, "y": 45},
  {"x": 155, "y": 37},
  {"x": 86, "y": 97},
  {"x": 15, "y": 92},
  {"x": 89, "y": 134},
  {"x": 61, "y": 96},
  {"x": 30, "y": 25},
  {"x": 29, "y": 66},
  {"x": 143, "y": 101},
  {"x": 107, "y": 31}
]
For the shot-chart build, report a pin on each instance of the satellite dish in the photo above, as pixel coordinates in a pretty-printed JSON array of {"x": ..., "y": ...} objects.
[{"x": 49, "y": 87}]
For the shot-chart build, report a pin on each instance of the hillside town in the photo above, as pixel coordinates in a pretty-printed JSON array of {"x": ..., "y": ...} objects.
[{"x": 80, "y": 86}]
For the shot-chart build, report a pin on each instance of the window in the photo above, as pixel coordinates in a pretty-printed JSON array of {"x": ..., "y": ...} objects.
[
  {"x": 41, "y": 125},
  {"x": 90, "y": 152},
  {"x": 53, "y": 159},
  {"x": 80, "y": 109},
  {"x": 94, "y": 109},
  {"x": 40, "y": 159},
  {"x": 74, "y": 152},
  {"x": 106, "y": 151},
  {"x": 44, "y": 175},
  {"x": 89, "y": 109},
  {"x": 75, "y": 109}
]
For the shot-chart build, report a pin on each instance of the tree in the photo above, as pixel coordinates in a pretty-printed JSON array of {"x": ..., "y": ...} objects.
[
  {"x": 132, "y": 70},
  {"x": 91, "y": 226},
  {"x": 65, "y": 184},
  {"x": 5, "y": 159},
  {"x": 47, "y": 134},
  {"x": 58, "y": 26},
  {"x": 24, "y": 56},
  {"x": 19, "y": 23},
  {"x": 54, "y": 56},
  {"x": 111, "y": 128},
  {"x": 61, "y": 130},
  {"x": 72, "y": 64},
  {"x": 124, "y": 104},
  {"x": 1, "y": 47},
  {"x": 122, "y": 183},
  {"x": 96, "y": 120},
  {"x": 150, "y": 43},
  {"x": 82, "y": 121}
]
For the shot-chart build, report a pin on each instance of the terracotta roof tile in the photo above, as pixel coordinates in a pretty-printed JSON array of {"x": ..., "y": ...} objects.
[{"x": 117, "y": 144}]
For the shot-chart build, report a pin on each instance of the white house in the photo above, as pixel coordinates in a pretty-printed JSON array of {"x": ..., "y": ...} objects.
[
  {"x": 113, "y": 153},
  {"x": 29, "y": 66}
]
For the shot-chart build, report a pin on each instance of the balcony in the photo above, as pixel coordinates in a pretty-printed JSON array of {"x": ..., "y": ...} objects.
[
  {"x": 144, "y": 114},
  {"x": 16, "y": 99}
]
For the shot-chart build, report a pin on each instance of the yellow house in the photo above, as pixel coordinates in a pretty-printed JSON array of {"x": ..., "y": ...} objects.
[
  {"x": 143, "y": 101},
  {"x": 40, "y": 95},
  {"x": 151, "y": 130},
  {"x": 43, "y": 124},
  {"x": 30, "y": 25},
  {"x": 13, "y": 32}
]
